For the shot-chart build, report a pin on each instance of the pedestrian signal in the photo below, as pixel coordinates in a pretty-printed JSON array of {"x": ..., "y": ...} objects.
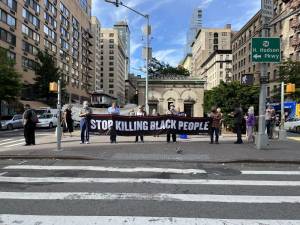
[{"x": 290, "y": 88}]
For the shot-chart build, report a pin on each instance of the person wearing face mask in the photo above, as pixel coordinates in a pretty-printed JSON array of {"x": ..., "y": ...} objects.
[
  {"x": 113, "y": 110},
  {"x": 140, "y": 112},
  {"x": 171, "y": 111},
  {"x": 85, "y": 115}
]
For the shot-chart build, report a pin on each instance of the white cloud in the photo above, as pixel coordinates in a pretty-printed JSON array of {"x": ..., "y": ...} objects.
[
  {"x": 134, "y": 46},
  {"x": 171, "y": 56},
  {"x": 205, "y": 3}
]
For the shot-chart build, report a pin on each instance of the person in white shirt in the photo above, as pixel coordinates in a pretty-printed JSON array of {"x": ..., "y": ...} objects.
[
  {"x": 171, "y": 111},
  {"x": 140, "y": 112}
]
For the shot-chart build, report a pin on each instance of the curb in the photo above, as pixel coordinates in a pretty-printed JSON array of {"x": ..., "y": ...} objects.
[{"x": 72, "y": 157}]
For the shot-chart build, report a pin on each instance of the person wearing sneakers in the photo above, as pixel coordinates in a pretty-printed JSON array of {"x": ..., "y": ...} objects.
[{"x": 85, "y": 115}]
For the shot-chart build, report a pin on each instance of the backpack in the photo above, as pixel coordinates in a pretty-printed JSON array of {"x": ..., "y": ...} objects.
[{"x": 34, "y": 117}]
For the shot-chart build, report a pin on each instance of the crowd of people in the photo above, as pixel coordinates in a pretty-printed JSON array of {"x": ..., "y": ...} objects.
[{"x": 217, "y": 122}]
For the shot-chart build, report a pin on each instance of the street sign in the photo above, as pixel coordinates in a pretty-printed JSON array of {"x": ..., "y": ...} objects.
[
  {"x": 266, "y": 50},
  {"x": 267, "y": 9}
]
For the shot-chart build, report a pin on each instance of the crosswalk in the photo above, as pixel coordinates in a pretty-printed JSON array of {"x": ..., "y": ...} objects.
[
  {"x": 115, "y": 195},
  {"x": 11, "y": 142}
]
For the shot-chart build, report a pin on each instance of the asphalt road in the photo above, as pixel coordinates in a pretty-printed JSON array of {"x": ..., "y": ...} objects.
[{"x": 124, "y": 192}]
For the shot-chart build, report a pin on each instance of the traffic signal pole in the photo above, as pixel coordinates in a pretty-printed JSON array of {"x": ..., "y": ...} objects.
[
  {"x": 262, "y": 140},
  {"x": 58, "y": 128}
]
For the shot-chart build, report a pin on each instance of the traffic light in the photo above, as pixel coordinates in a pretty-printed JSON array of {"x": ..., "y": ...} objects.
[
  {"x": 290, "y": 88},
  {"x": 53, "y": 87}
]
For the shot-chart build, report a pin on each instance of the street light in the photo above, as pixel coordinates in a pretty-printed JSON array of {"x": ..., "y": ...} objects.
[{"x": 147, "y": 31}]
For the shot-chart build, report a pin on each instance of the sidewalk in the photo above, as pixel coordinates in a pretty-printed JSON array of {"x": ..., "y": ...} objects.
[{"x": 195, "y": 149}]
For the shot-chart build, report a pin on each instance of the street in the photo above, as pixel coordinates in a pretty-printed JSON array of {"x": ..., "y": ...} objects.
[{"x": 119, "y": 192}]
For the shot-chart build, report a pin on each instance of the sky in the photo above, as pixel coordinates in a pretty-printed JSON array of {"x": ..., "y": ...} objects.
[{"x": 170, "y": 22}]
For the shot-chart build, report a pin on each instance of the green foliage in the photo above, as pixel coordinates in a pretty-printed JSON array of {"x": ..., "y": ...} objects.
[
  {"x": 289, "y": 72},
  {"x": 10, "y": 80},
  {"x": 161, "y": 68},
  {"x": 46, "y": 72},
  {"x": 228, "y": 95}
]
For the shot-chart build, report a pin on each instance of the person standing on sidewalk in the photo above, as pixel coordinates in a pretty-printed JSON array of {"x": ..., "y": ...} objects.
[
  {"x": 269, "y": 116},
  {"x": 171, "y": 111},
  {"x": 216, "y": 121},
  {"x": 29, "y": 121},
  {"x": 67, "y": 120},
  {"x": 85, "y": 114},
  {"x": 221, "y": 121},
  {"x": 140, "y": 112},
  {"x": 238, "y": 121},
  {"x": 113, "y": 110},
  {"x": 250, "y": 123}
]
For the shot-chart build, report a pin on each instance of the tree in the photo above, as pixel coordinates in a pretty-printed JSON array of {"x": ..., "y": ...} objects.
[
  {"x": 289, "y": 72},
  {"x": 228, "y": 95},
  {"x": 10, "y": 80},
  {"x": 157, "y": 67},
  {"x": 46, "y": 72}
]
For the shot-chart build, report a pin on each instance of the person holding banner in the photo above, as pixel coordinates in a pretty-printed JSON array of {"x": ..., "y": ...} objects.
[
  {"x": 113, "y": 110},
  {"x": 171, "y": 111},
  {"x": 85, "y": 114},
  {"x": 140, "y": 112}
]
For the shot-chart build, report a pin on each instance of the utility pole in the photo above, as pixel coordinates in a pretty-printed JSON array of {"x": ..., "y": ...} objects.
[
  {"x": 262, "y": 139},
  {"x": 282, "y": 131},
  {"x": 148, "y": 53},
  {"x": 58, "y": 128}
]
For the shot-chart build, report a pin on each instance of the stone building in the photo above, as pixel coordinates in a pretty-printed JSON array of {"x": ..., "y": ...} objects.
[
  {"x": 96, "y": 31},
  {"x": 113, "y": 64},
  {"x": 287, "y": 30},
  {"x": 187, "y": 93},
  {"x": 217, "y": 68},
  {"x": 207, "y": 41}
]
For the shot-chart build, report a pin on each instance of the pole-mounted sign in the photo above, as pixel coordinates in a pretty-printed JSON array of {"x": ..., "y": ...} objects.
[{"x": 266, "y": 50}]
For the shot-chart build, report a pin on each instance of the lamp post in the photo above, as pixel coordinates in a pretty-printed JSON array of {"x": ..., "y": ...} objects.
[{"x": 118, "y": 3}]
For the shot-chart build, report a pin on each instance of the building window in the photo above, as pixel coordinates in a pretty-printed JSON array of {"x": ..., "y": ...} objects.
[
  {"x": 34, "y": 5},
  {"x": 111, "y": 86},
  {"x": 12, "y": 4},
  {"x": 7, "y": 18},
  {"x": 111, "y": 74},
  {"x": 64, "y": 10},
  {"x": 111, "y": 92},
  {"x": 111, "y": 40},
  {"x": 26, "y": 47},
  {"x": 50, "y": 20},
  {"x": 50, "y": 46},
  {"x": 111, "y": 35},
  {"x": 111, "y": 63},
  {"x": 51, "y": 8},
  {"x": 111, "y": 69},
  {"x": 50, "y": 33},
  {"x": 111, "y": 46},
  {"x": 111, "y": 51},
  {"x": 7, "y": 37},
  {"x": 28, "y": 63},
  {"x": 31, "y": 18}
]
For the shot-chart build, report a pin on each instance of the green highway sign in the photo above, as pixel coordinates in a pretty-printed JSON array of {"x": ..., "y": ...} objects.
[{"x": 266, "y": 50}]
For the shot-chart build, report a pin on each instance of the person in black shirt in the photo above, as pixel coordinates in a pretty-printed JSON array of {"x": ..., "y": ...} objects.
[
  {"x": 68, "y": 121},
  {"x": 238, "y": 121},
  {"x": 29, "y": 121}
]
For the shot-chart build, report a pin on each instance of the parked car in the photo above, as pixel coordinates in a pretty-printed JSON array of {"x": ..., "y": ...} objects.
[
  {"x": 47, "y": 120},
  {"x": 292, "y": 124},
  {"x": 15, "y": 121}
]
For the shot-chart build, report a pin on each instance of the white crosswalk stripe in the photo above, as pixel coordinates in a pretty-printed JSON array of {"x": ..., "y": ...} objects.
[
  {"x": 117, "y": 220},
  {"x": 7, "y": 143},
  {"x": 285, "y": 191}
]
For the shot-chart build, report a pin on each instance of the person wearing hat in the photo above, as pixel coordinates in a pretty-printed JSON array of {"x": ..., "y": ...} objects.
[
  {"x": 171, "y": 111},
  {"x": 140, "y": 112},
  {"x": 67, "y": 120}
]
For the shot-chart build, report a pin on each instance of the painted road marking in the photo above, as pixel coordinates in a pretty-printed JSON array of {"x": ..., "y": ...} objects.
[
  {"x": 21, "y": 143},
  {"x": 5, "y": 140},
  {"x": 142, "y": 169},
  {"x": 249, "y": 172},
  {"x": 149, "y": 197},
  {"x": 1, "y": 174},
  {"x": 148, "y": 181},
  {"x": 109, "y": 169},
  {"x": 119, "y": 220},
  {"x": 11, "y": 142},
  {"x": 294, "y": 138}
]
